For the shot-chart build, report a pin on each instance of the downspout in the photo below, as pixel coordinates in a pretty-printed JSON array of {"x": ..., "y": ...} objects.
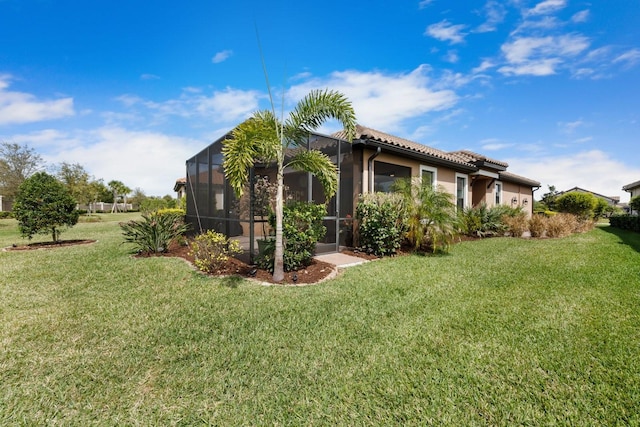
[
  {"x": 370, "y": 168},
  {"x": 533, "y": 199}
]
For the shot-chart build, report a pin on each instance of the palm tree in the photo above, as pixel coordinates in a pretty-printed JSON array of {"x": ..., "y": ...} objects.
[
  {"x": 431, "y": 216},
  {"x": 118, "y": 189},
  {"x": 267, "y": 139}
]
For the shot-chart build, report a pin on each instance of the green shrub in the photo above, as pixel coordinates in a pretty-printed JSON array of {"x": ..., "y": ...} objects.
[
  {"x": 301, "y": 229},
  {"x": 381, "y": 223},
  {"x": 171, "y": 211},
  {"x": 211, "y": 251},
  {"x": 626, "y": 222},
  {"x": 482, "y": 221},
  {"x": 6, "y": 214},
  {"x": 152, "y": 204},
  {"x": 634, "y": 204},
  {"x": 431, "y": 219},
  {"x": 538, "y": 225},
  {"x": 44, "y": 205},
  {"x": 577, "y": 203},
  {"x": 155, "y": 232}
]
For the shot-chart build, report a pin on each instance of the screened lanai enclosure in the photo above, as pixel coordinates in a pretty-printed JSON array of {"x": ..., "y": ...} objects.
[{"x": 213, "y": 205}]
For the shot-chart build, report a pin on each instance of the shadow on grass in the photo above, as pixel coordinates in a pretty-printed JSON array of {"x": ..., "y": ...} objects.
[
  {"x": 231, "y": 281},
  {"x": 626, "y": 237}
]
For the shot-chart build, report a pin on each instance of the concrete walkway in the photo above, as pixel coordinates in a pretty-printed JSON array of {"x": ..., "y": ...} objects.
[{"x": 340, "y": 260}]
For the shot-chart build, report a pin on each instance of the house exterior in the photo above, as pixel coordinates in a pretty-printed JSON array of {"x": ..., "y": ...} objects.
[
  {"x": 611, "y": 200},
  {"x": 180, "y": 187},
  {"x": 633, "y": 188},
  {"x": 372, "y": 162}
]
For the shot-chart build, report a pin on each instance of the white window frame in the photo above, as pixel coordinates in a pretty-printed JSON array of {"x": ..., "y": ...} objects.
[
  {"x": 433, "y": 170},
  {"x": 465, "y": 193},
  {"x": 497, "y": 197}
]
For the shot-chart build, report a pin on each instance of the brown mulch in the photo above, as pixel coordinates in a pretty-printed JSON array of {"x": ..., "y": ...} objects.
[
  {"x": 48, "y": 245},
  {"x": 314, "y": 273}
]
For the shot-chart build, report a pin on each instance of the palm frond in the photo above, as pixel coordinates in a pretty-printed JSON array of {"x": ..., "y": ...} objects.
[
  {"x": 320, "y": 165},
  {"x": 317, "y": 107}
]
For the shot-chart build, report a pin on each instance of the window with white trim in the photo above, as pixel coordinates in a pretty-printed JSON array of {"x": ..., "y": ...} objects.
[
  {"x": 429, "y": 175},
  {"x": 497, "y": 189},
  {"x": 461, "y": 191}
]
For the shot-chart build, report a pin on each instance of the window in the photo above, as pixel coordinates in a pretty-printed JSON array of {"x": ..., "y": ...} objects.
[
  {"x": 461, "y": 191},
  {"x": 498, "y": 193},
  {"x": 429, "y": 175},
  {"x": 385, "y": 174}
]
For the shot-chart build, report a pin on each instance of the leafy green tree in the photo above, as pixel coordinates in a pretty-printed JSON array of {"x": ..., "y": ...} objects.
[
  {"x": 266, "y": 138},
  {"x": 17, "y": 163},
  {"x": 549, "y": 198},
  {"x": 431, "y": 215},
  {"x": 634, "y": 204},
  {"x": 581, "y": 204},
  {"x": 44, "y": 205}
]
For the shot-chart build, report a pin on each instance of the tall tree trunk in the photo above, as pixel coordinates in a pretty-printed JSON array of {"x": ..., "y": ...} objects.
[{"x": 278, "y": 262}]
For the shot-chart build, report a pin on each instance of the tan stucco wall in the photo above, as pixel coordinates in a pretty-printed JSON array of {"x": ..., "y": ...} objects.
[
  {"x": 445, "y": 177},
  {"x": 520, "y": 193}
]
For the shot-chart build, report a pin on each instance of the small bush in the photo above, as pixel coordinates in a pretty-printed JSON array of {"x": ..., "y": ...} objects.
[
  {"x": 301, "y": 229},
  {"x": 561, "y": 225},
  {"x": 381, "y": 223},
  {"x": 6, "y": 214},
  {"x": 155, "y": 232},
  {"x": 211, "y": 251},
  {"x": 538, "y": 225},
  {"x": 516, "y": 225},
  {"x": 482, "y": 221},
  {"x": 171, "y": 211}
]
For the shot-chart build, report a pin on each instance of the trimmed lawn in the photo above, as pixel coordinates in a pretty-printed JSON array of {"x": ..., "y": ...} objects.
[{"x": 500, "y": 332}]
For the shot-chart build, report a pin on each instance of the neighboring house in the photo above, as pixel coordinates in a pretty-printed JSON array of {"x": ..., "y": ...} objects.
[
  {"x": 372, "y": 162},
  {"x": 180, "y": 188},
  {"x": 611, "y": 200},
  {"x": 633, "y": 188}
]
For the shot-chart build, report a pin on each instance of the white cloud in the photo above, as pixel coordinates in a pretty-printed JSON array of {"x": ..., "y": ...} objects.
[
  {"x": 630, "y": 57},
  {"x": 452, "y": 56},
  {"x": 581, "y": 16},
  {"x": 222, "y": 106},
  {"x": 570, "y": 127},
  {"x": 541, "y": 56},
  {"x": 546, "y": 7},
  {"x": 593, "y": 170},
  {"x": 382, "y": 100},
  {"x": 485, "y": 65},
  {"x": 148, "y": 160},
  {"x": 446, "y": 31},
  {"x": 425, "y": 3},
  {"x": 221, "y": 56},
  {"x": 495, "y": 12},
  {"x": 20, "y": 107},
  {"x": 149, "y": 77}
]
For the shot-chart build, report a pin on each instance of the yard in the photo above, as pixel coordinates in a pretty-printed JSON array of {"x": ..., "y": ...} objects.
[{"x": 499, "y": 332}]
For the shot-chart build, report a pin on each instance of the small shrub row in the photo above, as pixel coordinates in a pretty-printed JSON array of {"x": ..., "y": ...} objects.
[
  {"x": 626, "y": 222},
  {"x": 6, "y": 214}
]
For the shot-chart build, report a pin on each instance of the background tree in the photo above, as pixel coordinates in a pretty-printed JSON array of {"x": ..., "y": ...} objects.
[
  {"x": 77, "y": 180},
  {"x": 119, "y": 190},
  {"x": 44, "y": 205},
  {"x": 580, "y": 204},
  {"x": 266, "y": 138},
  {"x": 17, "y": 163},
  {"x": 549, "y": 198}
]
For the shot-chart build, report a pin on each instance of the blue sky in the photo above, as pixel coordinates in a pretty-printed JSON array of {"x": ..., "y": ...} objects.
[{"x": 131, "y": 89}]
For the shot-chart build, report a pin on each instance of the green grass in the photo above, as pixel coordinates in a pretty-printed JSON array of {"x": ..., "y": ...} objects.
[{"x": 499, "y": 332}]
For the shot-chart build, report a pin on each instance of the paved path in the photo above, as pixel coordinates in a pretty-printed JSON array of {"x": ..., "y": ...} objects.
[{"x": 340, "y": 260}]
